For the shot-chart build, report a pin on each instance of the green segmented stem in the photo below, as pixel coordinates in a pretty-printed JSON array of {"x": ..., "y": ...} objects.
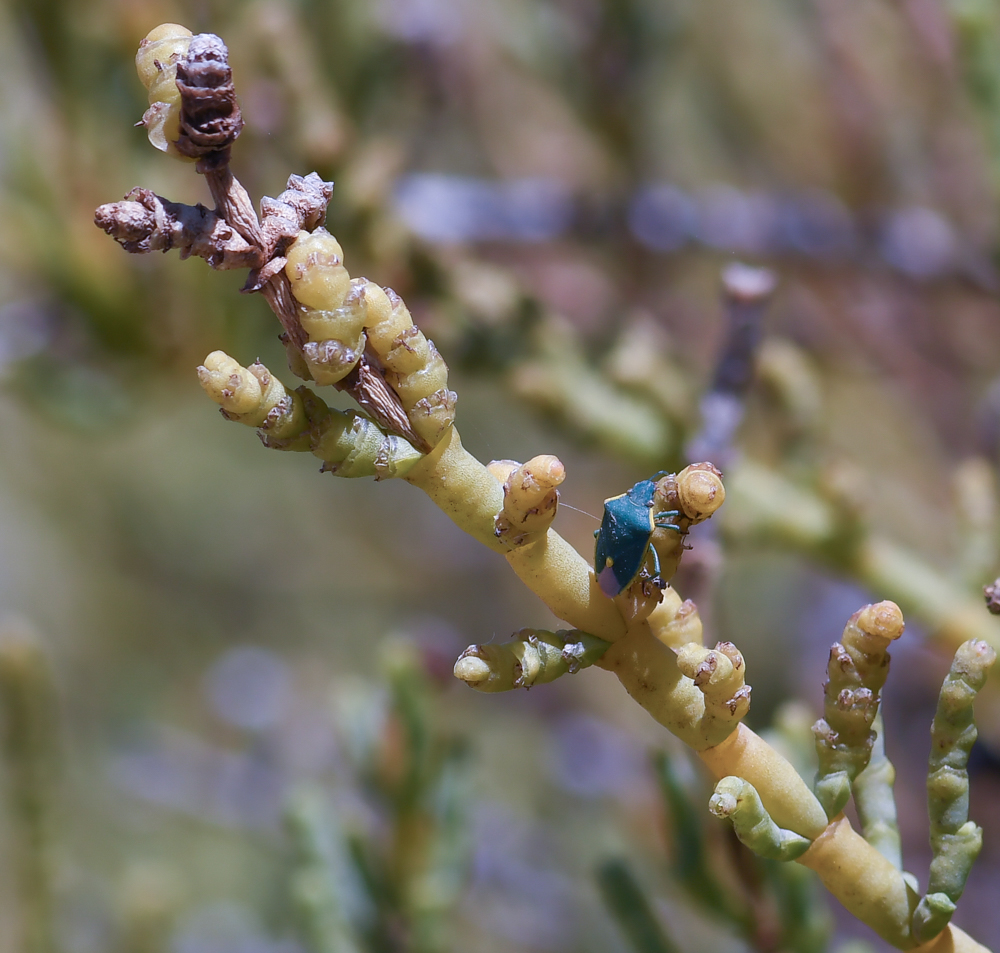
[
  {"x": 858, "y": 667},
  {"x": 349, "y": 444},
  {"x": 532, "y": 657},
  {"x": 739, "y": 801},
  {"x": 955, "y": 840}
]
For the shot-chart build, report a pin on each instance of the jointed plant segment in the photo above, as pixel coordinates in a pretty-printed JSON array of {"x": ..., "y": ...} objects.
[{"x": 358, "y": 337}]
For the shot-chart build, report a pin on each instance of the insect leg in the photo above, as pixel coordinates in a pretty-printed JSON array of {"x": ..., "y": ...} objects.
[
  {"x": 662, "y": 519},
  {"x": 657, "y": 578}
]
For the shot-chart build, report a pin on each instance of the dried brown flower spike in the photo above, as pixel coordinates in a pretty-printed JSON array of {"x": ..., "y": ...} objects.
[{"x": 210, "y": 115}]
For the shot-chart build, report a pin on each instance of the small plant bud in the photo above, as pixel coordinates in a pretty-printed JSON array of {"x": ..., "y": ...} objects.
[
  {"x": 738, "y": 800},
  {"x": 471, "y": 669},
  {"x": 316, "y": 272},
  {"x": 501, "y": 469},
  {"x": 532, "y": 482},
  {"x": 156, "y": 63},
  {"x": 704, "y": 666},
  {"x": 388, "y": 317},
  {"x": 719, "y": 674},
  {"x": 409, "y": 352},
  {"x": 159, "y": 52},
  {"x": 252, "y": 396},
  {"x": 883, "y": 620},
  {"x": 430, "y": 378},
  {"x": 857, "y": 669},
  {"x": 531, "y": 657},
  {"x": 229, "y": 384},
  {"x": 433, "y": 415},
  {"x": 722, "y": 803},
  {"x": 530, "y": 499},
  {"x": 700, "y": 491},
  {"x": 697, "y": 491},
  {"x": 344, "y": 323},
  {"x": 332, "y": 360}
]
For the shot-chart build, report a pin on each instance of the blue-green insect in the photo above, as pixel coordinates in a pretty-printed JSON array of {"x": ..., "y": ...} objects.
[{"x": 623, "y": 539}]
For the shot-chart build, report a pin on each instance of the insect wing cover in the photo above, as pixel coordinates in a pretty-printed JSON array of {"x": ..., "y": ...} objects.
[{"x": 624, "y": 537}]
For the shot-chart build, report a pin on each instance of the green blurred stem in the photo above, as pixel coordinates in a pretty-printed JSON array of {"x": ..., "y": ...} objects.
[
  {"x": 28, "y": 735},
  {"x": 690, "y": 859},
  {"x": 805, "y": 919},
  {"x": 430, "y": 850},
  {"x": 976, "y": 25},
  {"x": 629, "y": 905},
  {"x": 763, "y": 505},
  {"x": 975, "y": 492},
  {"x": 875, "y": 802},
  {"x": 436, "y": 889},
  {"x": 313, "y": 889},
  {"x": 559, "y": 378}
]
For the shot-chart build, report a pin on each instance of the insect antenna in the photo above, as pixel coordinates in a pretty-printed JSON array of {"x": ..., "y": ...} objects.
[{"x": 576, "y": 510}]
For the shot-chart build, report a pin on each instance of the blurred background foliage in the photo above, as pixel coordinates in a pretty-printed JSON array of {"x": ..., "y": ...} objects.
[{"x": 244, "y": 734}]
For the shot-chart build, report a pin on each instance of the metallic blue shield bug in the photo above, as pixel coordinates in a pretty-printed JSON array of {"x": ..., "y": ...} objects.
[{"x": 623, "y": 539}]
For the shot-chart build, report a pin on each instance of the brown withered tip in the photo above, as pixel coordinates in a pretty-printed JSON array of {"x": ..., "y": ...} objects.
[
  {"x": 301, "y": 206},
  {"x": 146, "y": 222},
  {"x": 210, "y": 114},
  {"x": 992, "y": 594},
  {"x": 130, "y": 223}
]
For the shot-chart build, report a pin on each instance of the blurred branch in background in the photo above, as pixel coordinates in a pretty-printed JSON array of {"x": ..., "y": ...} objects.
[
  {"x": 29, "y": 722},
  {"x": 625, "y": 899},
  {"x": 353, "y": 889}
]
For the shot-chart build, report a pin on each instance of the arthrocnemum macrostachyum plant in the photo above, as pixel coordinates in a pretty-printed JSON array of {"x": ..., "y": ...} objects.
[{"x": 358, "y": 337}]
